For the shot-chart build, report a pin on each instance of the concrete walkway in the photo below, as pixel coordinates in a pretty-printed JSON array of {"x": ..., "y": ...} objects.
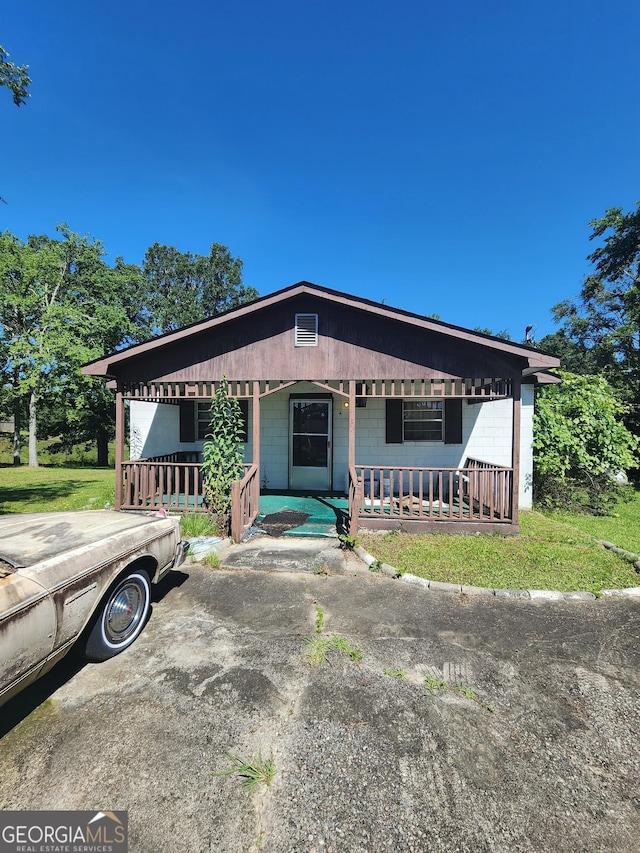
[{"x": 264, "y": 553}]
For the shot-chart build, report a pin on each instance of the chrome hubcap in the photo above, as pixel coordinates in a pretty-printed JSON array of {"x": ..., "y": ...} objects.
[{"x": 124, "y": 612}]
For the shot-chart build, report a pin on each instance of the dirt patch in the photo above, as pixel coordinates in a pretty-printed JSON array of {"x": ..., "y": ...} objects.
[{"x": 279, "y": 522}]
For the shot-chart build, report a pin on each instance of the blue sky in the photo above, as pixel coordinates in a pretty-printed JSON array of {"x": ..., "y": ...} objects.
[{"x": 444, "y": 158}]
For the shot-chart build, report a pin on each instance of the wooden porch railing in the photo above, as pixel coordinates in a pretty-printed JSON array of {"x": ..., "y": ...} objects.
[
  {"x": 149, "y": 484},
  {"x": 490, "y": 486},
  {"x": 355, "y": 500},
  {"x": 245, "y": 502},
  {"x": 476, "y": 492},
  {"x": 172, "y": 481}
]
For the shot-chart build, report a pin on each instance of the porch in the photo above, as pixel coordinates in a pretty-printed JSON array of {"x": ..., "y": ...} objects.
[{"x": 466, "y": 498}]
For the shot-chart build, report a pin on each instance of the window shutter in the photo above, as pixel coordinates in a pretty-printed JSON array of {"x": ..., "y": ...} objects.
[
  {"x": 244, "y": 411},
  {"x": 394, "y": 422},
  {"x": 306, "y": 330},
  {"x": 453, "y": 421},
  {"x": 187, "y": 420}
]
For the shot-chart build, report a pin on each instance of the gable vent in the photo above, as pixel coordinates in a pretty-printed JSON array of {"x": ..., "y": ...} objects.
[{"x": 306, "y": 330}]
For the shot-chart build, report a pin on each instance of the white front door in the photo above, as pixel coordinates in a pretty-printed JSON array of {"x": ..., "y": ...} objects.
[{"x": 310, "y": 444}]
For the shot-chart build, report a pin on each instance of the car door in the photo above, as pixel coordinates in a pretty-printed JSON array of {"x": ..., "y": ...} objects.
[{"x": 27, "y": 629}]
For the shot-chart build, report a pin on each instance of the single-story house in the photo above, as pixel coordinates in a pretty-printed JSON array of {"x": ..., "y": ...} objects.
[{"x": 422, "y": 424}]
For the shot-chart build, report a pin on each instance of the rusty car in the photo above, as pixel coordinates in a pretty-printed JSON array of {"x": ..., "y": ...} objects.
[{"x": 78, "y": 580}]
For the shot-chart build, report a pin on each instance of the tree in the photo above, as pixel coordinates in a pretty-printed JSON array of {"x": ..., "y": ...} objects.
[
  {"x": 503, "y": 333},
  {"x": 184, "y": 288},
  {"x": 63, "y": 306},
  {"x": 15, "y": 78},
  {"x": 222, "y": 454},
  {"x": 603, "y": 326},
  {"x": 580, "y": 443},
  {"x": 120, "y": 319}
]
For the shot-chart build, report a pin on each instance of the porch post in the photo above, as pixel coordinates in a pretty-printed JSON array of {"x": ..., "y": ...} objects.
[
  {"x": 515, "y": 449},
  {"x": 352, "y": 424},
  {"x": 119, "y": 447},
  {"x": 256, "y": 427},
  {"x": 354, "y": 491}
]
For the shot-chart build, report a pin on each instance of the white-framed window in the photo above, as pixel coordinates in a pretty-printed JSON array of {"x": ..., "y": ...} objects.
[
  {"x": 423, "y": 420},
  {"x": 203, "y": 416}
]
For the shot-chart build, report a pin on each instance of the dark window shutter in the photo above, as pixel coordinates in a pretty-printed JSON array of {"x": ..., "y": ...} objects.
[
  {"x": 394, "y": 422},
  {"x": 244, "y": 411},
  {"x": 453, "y": 422},
  {"x": 187, "y": 420}
]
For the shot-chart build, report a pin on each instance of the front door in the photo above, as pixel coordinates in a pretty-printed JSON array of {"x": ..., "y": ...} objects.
[{"x": 310, "y": 444}]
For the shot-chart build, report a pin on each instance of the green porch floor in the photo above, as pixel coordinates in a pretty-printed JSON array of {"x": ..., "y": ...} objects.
[{"x": 328, "y": 513}]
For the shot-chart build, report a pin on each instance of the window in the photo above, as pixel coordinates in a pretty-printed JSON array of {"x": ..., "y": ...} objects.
[
  {"x": 195, "y": 417},
  {"x": 422, "y": 420},
  {"x": 203, "y": 416},
  {"x": 306, "y": 330}
]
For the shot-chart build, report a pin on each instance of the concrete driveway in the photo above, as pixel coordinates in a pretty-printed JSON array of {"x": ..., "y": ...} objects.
[{"x": 527, "y": 740}]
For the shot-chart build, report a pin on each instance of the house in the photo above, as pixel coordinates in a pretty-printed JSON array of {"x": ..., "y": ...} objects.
[{"x": 422, "y": 424}]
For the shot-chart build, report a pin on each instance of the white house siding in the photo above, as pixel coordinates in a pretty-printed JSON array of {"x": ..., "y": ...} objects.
[
  {"x": 274, "y": 440},
  {"x": 154, "y": 430},
  {"x": 486, "y": 427},
  {"x": 526, "y": 448}
]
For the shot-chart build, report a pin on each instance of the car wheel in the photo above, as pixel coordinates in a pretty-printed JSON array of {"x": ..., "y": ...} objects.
[{"x": 120, "y": 618}]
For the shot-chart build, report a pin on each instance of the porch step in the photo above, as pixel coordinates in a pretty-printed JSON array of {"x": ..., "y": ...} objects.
[{"x": 315, "y": 556}]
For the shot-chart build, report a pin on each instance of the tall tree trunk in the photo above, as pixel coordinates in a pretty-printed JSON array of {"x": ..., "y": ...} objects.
[
  {"x": 17, "y": 424},
  {"x": 103, "y": 449},
  {"x": 33, "y": 447}
]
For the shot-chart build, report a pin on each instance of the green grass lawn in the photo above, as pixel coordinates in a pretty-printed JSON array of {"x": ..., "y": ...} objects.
[
  {"x": 554, "y": 553},
  {"x": 622, "y": 528},
  {"x": 45, "y": 489}
]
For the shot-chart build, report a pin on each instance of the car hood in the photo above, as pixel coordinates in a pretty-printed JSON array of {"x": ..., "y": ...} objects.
[{"x": 29, "y": 538}]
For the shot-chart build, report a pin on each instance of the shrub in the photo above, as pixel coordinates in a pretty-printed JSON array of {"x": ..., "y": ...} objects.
[{"x": 580, "y": 444}]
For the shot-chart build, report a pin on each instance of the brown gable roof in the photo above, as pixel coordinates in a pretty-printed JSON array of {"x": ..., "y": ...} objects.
[{"x": 534, "y": 359}]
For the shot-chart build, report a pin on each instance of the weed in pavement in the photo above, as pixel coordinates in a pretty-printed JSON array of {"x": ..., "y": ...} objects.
[
  {"x": 319, "y": 647},
  {"x": 253, "y": 773},
  {"x": 396, "y": 673}
]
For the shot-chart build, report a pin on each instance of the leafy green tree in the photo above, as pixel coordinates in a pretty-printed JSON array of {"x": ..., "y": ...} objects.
[
  {"x": 15, "y": 78},
  {"x": 602, "y": 329},
  {"x": 222, "y": 454},
  {"x": 62, "y": 306},
  {"x": 184, "y": 288},
  {"x": 574, "y": 355},
  {"x": 503, "y": 333},
  {"x": 580, "y": 443}
]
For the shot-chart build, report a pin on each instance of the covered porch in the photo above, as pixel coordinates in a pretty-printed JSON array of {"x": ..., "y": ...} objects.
[{"x": 470, "y": 494}]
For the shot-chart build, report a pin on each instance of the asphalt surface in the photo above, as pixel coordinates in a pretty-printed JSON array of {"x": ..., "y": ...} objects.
[{"x": 470, "y": 723}]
